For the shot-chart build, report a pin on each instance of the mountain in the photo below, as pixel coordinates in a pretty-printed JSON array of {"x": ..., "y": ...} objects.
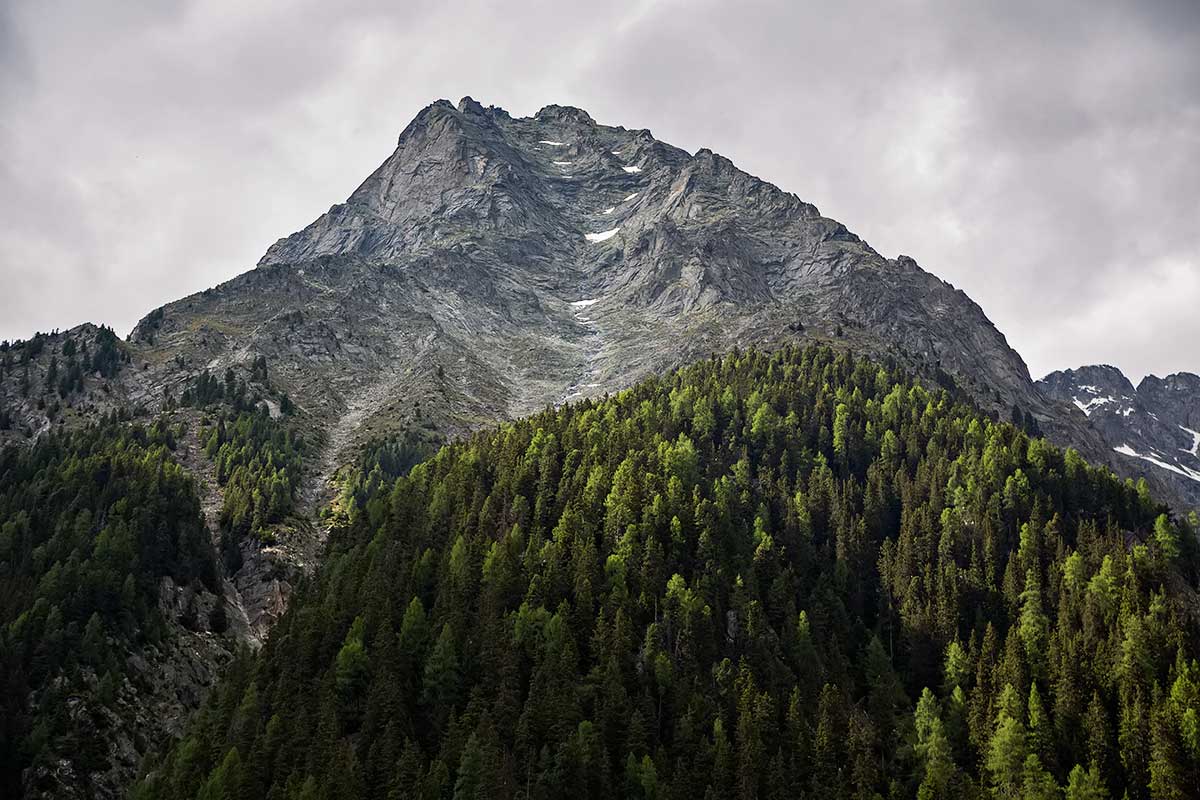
[
  {"x": 494, "y": 265},
  {"x": 490, "y": 268},
  {"x": 785, "y": 575},
  {"x": 1153, "y": 427}
]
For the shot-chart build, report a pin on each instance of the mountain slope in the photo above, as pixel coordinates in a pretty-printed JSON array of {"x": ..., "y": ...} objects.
[
  {"x": 102, "y": 550},
  {"x": 493, "y": 265},
  {"x": 734, "y": 580}
]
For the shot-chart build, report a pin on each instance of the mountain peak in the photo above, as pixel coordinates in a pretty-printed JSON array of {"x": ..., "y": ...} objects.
[
  {"x": 469, "y": 105},
  {"x": 1096, "y": 379},
  {"x": 1152, "y": 429},
  {"x": 427, "y": 118},
  {"x": 557, "y": 197},
  {"x": 1176, "y": 381},
  {"x": 565, "y": 114}
]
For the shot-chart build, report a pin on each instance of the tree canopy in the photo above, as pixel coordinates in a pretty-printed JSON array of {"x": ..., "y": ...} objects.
[
  {"x": 90, "y": 522},
  {"x": 762, "y": 576}
]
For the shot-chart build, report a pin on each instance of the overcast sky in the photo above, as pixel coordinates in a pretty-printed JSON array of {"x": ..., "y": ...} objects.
[{"x": 1044, "y": 157}]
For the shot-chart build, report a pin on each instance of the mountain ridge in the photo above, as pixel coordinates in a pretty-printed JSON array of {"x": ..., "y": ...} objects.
[{"x": 1153, "y": 426}]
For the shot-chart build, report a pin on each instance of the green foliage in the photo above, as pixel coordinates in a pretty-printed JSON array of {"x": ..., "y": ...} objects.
[
  {"x": 260, "y": 464},
  {"x": 1007, "y": 754},
  {"x": 731, "y": 581},
  {"x": 352, "y": 671},
  {"x": 1085, "y": 785},
  {"x": 107, "y": 355},
  {"x": 89, "y": 523},
  {"x": 933, "y": 750}
]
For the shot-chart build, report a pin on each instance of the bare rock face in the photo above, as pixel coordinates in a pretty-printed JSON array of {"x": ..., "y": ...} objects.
[
  {"x": 550, "y": 258},
  {"x": 1154, "y": 429},
  {"x": 583, "y": 256}
]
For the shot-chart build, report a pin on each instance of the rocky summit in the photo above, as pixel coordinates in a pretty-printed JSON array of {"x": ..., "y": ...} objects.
[{"x": 493, "y": 266}]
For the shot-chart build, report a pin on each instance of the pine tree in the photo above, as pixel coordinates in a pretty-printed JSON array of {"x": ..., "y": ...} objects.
[
  {"x": 1085, "y": 785},
  {"x": 933, "y": 750},
  {"x": 441, "y": 681},
  {"x": 1007, "y": 751}
]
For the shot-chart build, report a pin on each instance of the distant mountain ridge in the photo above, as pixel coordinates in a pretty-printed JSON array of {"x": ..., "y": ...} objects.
[{"x": 1154, "y": 428}]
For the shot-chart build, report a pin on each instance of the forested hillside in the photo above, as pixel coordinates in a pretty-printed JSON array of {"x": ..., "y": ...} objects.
[
  {"x": 766, "y": 576},
  {"x": 90, "y": 522}
]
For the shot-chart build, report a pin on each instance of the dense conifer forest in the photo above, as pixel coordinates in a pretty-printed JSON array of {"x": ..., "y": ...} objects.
[
  {"x": 763, "y": 576},
  {"x": 90, "y": 521},
  {"x": 259, "y": 462}
]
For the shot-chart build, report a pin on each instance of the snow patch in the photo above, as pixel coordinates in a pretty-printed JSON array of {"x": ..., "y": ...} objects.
[
  {"x": 632, "y": 169},
  {"x": 1087, "y": 407},
  {"x": 627, "y": 199},
  {"x": 1126, "y": 450},
  {"x": 1195, "y": 441},
  {"x": 551, "y": 142},
  {"x": 590, "y": 301},
  {"x": 603, "y": 236},
  {"x": 563, "y": 163},
  {"x": 610, "y": 210}
]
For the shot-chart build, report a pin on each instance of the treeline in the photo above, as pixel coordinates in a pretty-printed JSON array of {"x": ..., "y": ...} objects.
[
  {"x": 763, "y": 576},
  {"x": 90, "y": 521}
]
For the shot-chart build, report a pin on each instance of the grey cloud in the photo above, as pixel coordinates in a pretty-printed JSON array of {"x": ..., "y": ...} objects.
[{"x": 1043, "y": 157}]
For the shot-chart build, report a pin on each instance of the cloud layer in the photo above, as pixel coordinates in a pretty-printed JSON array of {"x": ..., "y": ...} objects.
[{"x": 1043, "y": 157}]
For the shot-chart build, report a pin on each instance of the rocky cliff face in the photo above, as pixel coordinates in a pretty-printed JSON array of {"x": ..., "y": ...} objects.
[
  {"x": 593, "y": 254},
  {"x": 585, "y": 256},
  {"x": 1154, "y": 429}
]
